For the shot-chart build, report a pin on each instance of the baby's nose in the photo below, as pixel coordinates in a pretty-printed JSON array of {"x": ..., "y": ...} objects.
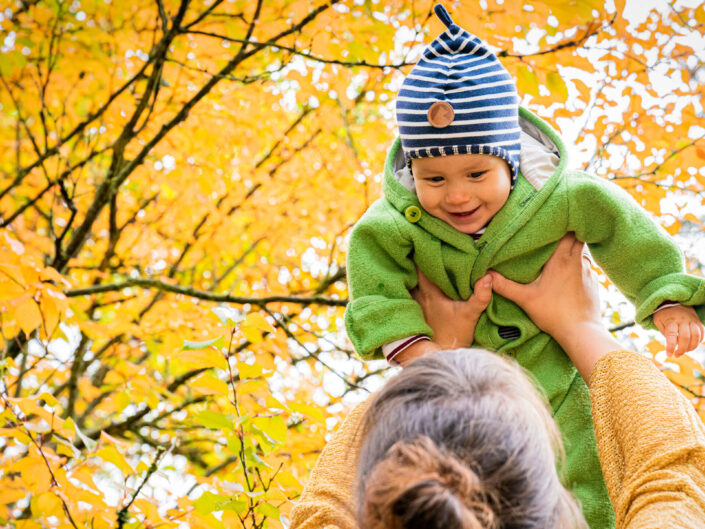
[{"x": 457, "y": 195}]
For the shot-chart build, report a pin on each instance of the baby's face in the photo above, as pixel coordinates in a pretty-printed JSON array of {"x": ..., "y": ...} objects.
[{"x": 464, "y": 190}]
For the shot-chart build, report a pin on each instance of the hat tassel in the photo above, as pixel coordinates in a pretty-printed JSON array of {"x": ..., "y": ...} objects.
[{"x": 442, "y": 13}]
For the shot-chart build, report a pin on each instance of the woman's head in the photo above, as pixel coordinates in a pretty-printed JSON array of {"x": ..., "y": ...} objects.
[{"x": 461, "y": 439}]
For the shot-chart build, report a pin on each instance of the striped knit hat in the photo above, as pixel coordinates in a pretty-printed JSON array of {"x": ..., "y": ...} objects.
[{"x": 458, "y": 99}]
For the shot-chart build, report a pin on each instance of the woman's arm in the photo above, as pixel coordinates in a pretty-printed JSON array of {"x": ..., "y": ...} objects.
[
  {"x": 651, "y": 444},
  {"x": 650, "y": 440},
  {"x": 327, "y": 499}
]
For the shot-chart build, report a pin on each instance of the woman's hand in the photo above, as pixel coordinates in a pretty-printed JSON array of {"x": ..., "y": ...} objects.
[
  {"x": 453, "y": 322},
  {"x": 564, "y": 302}
]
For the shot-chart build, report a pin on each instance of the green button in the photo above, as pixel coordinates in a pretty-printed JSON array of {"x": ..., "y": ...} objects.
[{"x": 413, "y": 213}]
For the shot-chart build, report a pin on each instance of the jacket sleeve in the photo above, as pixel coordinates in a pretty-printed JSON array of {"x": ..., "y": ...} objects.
[
  {"x": 327, "y": 499},
  {"x": 637, "y": 255},
  {"x": 380, "y": 274},
  {"x": 651, "y": 444}
]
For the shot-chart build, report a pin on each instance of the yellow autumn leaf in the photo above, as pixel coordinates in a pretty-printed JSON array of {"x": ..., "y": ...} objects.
[
  {"x": 252, "y": 334},
  {"x": 199, "y": 358},
  {"x": 654, "y": 346},
  {"x": 12, "y": 272},
  {"x": 45, "y": 505},
  {"x": 64, "y": 450},
  {"x": 111, "y": 454},
  {"x": 288, "y": 480},
  {"x": 557, "y": 86},
  {"x": 526, "y": 81},
  {"x": 687, "y": 364},
  {"x": 109, "y": 439},
  {"x": 207, "y": 384},
  {"x": 307, "y": 410},
  {"x": 49, "y": 399},
  {"x": 27, "y": 313},
  {"x": 249, "y": 370},
  {"x": 11, "y": 494},
  {"x": 254, "y": 325},
  {"x": 681, "y": 379},
  {"x": 255, "y": 320},
  {"x": 10, "y": 290},
  {"x": 674, "y": 227}
]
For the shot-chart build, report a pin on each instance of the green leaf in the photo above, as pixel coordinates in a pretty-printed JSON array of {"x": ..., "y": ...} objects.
[
  {"x": 266, "y": 443},
  {"x": 274, "y": 427},
  {"x": 209, "y": 502},
  {"x": 215, "y": 421},
  {"x": 11, "y": 61},
  {"x": 268, "y": 510},
  {"x": 251, "y": 456},
  {"x": 235, "y": 505},
  {"x": 190, "y": 346},
  {"x": 234, "y": 444}
]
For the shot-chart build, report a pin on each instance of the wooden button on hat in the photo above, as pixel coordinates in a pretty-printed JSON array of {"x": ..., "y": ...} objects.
[{"x": 440, "y": 114}]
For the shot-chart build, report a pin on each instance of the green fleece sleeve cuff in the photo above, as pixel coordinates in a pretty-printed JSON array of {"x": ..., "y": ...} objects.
[
  {"x": 683, "y": 288},
  {"x": 373, "y": 321}
]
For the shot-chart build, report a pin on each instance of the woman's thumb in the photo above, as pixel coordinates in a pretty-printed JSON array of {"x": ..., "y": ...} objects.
[
  {"x": 507, "y": 288},
  {"x": 482, "y": 293}
]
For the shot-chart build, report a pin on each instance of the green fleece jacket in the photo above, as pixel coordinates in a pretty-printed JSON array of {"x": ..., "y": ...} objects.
[{"x": 395, "y": 236}]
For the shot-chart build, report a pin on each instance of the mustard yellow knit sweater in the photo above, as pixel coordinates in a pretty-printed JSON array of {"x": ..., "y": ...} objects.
[{"x": 650, "y": 440}]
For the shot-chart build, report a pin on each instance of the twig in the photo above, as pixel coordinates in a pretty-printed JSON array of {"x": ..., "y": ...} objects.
[
  {"x": 54, "y": 483},
  {"x": 123, "y": 514}
]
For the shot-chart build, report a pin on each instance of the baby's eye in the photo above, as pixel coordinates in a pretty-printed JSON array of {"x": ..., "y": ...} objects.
[
  {"x": 477, "y": 174},
  {"x": 434, "y": 179}
]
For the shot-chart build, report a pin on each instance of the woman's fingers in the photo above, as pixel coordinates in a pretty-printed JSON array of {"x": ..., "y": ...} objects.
[
  {"x": 423, "y": 280},
  {"x": 426, "y": 286},
  {"x": 566, "y": 245},
  {"x": 509, "y": 289}
]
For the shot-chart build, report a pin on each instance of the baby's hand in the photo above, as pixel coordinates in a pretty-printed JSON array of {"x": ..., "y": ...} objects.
[{"x": 681, "y": 326}]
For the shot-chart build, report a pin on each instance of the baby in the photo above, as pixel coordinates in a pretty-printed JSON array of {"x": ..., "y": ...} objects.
[{"x": 477, "y": 183}]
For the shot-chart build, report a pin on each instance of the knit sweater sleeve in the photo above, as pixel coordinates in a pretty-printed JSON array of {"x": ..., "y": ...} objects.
[
  {"x": 636, "y": 254},
  {"x": 380, "y": 273},
  {"x": 651, "y": 444},
  {"x": 327, "y": 499}
]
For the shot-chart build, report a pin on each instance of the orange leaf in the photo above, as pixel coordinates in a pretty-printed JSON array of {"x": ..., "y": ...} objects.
[{"x": 28, "y": 315}]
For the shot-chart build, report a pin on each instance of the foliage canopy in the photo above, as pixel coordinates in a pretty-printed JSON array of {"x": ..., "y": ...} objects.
[{"x": 177, "y": 183}]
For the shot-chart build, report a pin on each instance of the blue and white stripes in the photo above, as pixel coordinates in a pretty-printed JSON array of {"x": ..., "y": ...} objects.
[{"x": 457, "y": 68}]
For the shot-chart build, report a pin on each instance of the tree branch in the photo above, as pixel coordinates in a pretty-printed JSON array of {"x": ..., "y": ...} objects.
[
  {"x": 294, "y": 51},
  {"x": 144, "y": 282}
]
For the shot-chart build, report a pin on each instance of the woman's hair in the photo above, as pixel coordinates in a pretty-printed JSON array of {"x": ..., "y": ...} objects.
[{"x": 461, "y": 440}]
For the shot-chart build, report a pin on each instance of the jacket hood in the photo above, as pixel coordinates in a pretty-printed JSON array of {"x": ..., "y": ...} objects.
[{"x": 542, "y": 162}]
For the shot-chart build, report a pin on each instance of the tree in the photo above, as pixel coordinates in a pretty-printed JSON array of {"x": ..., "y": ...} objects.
[{"x": 178, "y": 183}]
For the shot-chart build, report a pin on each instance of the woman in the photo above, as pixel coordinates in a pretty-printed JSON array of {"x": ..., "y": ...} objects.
[{"x": 462, "y": 440}]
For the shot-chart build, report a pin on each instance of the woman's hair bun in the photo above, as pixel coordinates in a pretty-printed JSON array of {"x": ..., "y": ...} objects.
[{"x": 418, "y": 486}]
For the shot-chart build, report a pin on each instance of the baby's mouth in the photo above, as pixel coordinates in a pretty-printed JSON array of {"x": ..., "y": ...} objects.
[{"x": 463, "y": 214}]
